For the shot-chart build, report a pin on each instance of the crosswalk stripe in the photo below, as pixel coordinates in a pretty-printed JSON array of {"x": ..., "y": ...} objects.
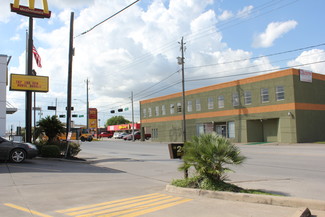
[
  {"x": 119, "y": 213},
  {"x": 104, "y": 203},
  {"x": 155, "y": 208},
  {"x": 118, "y": 207},
  {"x": 133, "y": 206}
]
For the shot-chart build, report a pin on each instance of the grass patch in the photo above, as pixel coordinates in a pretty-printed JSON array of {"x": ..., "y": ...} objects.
[
  {"x": 205, "y": 184},
  {"x": 320, "y": 142}
]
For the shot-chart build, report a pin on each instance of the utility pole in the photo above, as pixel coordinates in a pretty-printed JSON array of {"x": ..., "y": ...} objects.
[
  {"x": 71, "y": 53},
  {"x": 28, "y": 120},
  {"x": 132, "y": 116},
  {"x": 87, "y": 82},
  {"x": 181, "y": 62}
]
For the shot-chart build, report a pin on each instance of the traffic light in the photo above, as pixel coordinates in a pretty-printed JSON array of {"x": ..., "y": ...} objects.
[
  {"x": 51, "y": 107},
  {"x": 112, "y": 111},
  {"x": 61, "y": 116},
  {"x": 120, "y": 110},
  {"x": 74, "y": 116}
]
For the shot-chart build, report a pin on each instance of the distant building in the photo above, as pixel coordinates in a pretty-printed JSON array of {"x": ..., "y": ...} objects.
[
  {"x": 5, "y": 107},
  {"x": 286, "y": 106},
  {"x": 3, "y": 93}
]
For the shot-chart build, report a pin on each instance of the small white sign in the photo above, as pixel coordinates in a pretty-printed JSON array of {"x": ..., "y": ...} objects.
[
  {"x": 306, "y": 76},
  {"x": 69, "y": 136}
]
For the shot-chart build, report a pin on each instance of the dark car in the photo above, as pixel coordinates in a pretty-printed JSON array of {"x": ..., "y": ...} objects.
[
  {"x": 16, "y": 151},
  {"x": 105, "y": 134},
  {"x": 137, "y": 136}
]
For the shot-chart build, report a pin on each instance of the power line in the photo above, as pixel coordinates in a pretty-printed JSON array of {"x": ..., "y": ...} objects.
[
  {"x": 253, "y": 58},
  {"x": 249, "y": 73},
  {"x": 107, "y": 19}
]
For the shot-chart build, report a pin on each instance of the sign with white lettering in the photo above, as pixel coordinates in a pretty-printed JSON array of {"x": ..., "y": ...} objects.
[
  {"x": 31, "y": 11},
  {"x": 306, "y": 76}
]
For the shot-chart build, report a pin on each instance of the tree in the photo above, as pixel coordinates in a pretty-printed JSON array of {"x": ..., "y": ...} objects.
[
  {"x": 51, "y": 127},
  {"x": 209, "y": 154},
  {"x": 116, "y": 120}
]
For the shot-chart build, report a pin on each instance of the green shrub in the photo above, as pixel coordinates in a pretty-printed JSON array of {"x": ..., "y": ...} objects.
[
  {"x": 74, "y": 149},
  {"x": 50, "y": 151}
]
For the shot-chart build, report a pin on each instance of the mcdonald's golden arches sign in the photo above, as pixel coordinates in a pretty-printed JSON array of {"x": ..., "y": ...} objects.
[{"x": 31, "y": 11}]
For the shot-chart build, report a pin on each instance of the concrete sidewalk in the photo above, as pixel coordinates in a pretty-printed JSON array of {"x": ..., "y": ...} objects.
[{"x": 303, "y": 206}]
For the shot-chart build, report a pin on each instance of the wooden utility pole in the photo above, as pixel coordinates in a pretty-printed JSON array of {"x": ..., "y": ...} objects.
[
  {"x": 181, "y": 62},
  {"x": 71, "y": 52},
  {"x": 183, "y": 91}
]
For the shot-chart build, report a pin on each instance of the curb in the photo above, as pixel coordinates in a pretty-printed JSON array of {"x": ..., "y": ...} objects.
[{"x": 252, "y": 198}]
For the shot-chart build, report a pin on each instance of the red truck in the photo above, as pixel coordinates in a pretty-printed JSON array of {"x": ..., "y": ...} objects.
[{"x": 105, "y": 134}]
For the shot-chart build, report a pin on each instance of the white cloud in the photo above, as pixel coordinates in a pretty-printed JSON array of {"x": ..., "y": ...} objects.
[
  {"x": 5, "y": 12},
  {"x": 15, "y": 38},
  {"x": 273, "y": 31},
  {"x": 308, "y": 57},
  {"x": 245, "y": 12},
  {"x": 134, "y": 51},
  {"x": 225, "y": 15}
]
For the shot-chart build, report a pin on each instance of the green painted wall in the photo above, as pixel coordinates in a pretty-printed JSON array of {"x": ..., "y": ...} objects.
[{"x": 280, "y": 126}]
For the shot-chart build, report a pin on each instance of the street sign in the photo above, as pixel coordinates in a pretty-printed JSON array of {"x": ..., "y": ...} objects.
[
  {"x": 175, "y": 150},
  {"x": 51, "y": 107}
]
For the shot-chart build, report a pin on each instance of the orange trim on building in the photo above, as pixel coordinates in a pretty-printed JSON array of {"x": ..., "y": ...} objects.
[
  {"x": 244, "y": 111},
  {"x": 258, "y": 78}
]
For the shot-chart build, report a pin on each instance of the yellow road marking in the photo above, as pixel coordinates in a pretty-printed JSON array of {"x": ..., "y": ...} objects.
[
  {"x": 114, "y": 205},
  {"x": 26, "y": 210},
  {"x": 133, "y": 206},
  {"x": 105, "y": 203},
  {"x": 124, "y": 207},
  {"x": 142, "y": 208},
  {"x": 155, "y": 208}
]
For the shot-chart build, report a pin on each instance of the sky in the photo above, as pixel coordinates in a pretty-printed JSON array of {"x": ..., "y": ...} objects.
[{"x": 136, "y": 51}]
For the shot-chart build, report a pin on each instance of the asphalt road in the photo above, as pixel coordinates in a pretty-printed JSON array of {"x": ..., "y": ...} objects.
[
  {"x": 290, "y": 170},
  {"x": 128, "y": 179}
]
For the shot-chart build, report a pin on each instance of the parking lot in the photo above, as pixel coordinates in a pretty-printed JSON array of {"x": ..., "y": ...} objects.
[{"x": 120, "y": 176}]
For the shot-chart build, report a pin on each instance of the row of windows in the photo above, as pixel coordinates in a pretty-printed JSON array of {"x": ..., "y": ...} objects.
[{"x": 264, "y": 94}]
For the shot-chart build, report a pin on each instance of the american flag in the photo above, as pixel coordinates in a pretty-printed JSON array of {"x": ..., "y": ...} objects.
[{"x": 37, "y": 57}]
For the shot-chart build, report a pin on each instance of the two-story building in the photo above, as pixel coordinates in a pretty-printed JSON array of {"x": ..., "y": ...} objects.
[{"x": 287, "y": 106}]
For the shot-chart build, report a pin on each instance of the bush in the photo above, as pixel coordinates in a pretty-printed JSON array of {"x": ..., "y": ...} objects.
[
  {"x": 74, "y": 148},
  {"x": 50, "y": 151},
  {"x": 208, "y": 155}
]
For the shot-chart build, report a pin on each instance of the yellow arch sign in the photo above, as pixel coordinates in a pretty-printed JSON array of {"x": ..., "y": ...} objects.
[{"x": 31, "y": 10}]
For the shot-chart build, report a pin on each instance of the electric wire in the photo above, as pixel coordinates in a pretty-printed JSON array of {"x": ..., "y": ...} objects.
[{"x": 87, "y": 31}]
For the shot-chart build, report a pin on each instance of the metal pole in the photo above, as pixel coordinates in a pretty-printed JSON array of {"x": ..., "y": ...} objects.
[
  {"x": 69, "y": 81},
  {"x": 87, "y": 81},
  {"x": 28, "y": 120},
  {"x": 132, "y": 116}
]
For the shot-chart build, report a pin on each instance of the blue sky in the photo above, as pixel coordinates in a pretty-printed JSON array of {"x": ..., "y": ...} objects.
[{"x": 137, "y": 50}]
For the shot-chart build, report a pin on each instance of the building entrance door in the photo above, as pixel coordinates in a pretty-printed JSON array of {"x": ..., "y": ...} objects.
[{"x": 221, "y": 129}]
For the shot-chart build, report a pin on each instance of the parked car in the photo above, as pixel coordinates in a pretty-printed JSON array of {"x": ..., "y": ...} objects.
[
  {"x": 119, "y": 135},
  {"x": 137, "y": 136},
  {"x": 16, "y": 151},
  {"x": 105, "y": 134},
  {"x": 116, "y": 134}
]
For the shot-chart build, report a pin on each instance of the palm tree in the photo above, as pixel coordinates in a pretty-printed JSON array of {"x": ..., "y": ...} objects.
[
  {"x": 209, "y": 154},
  {"x": 51, "y": 126}
]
